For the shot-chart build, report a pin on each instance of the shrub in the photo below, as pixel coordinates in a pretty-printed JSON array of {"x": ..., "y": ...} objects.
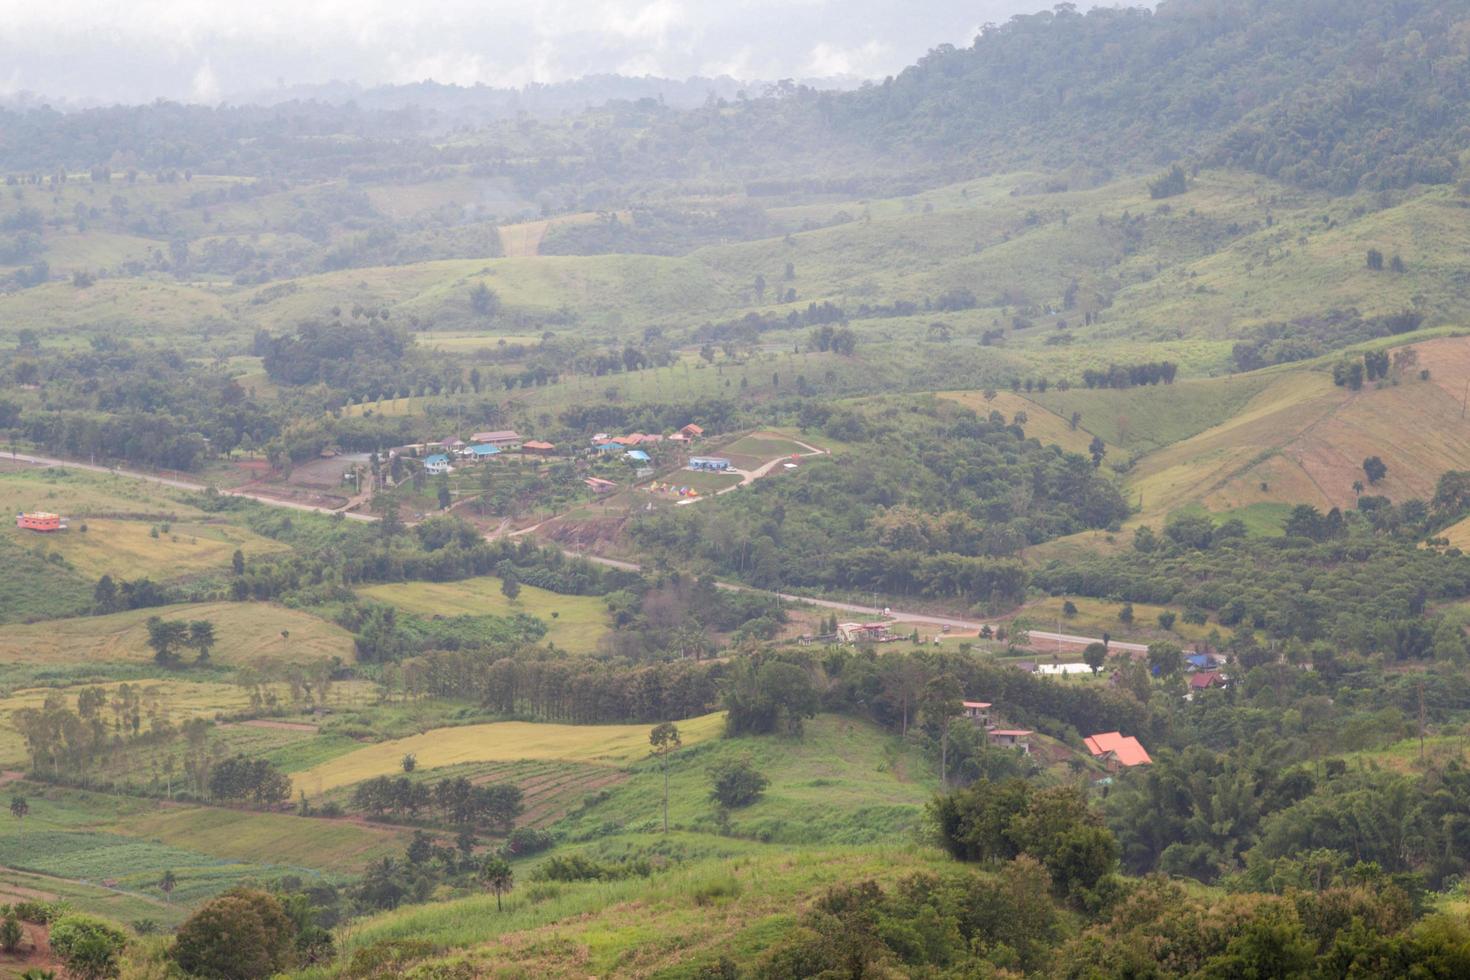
[
  {"x": 579, "y": 867},
  {"x": 736, "y": 783},
  {"x": 241, "y": 935},
  {"x": 388, "y": 957},
  {"x": 40, "y": 913},
  {"x": 11, "y": 933},
  {"x": 87, "y": 946},
  {"x": 528, "y": 840}
]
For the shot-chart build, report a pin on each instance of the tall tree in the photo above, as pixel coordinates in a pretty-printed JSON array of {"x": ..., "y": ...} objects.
[
  {"x": 665, "y": 741},
  {"x": 202, "y": 638},
  {"x": 943, "y": 700},
  {"x": 164, "y": 637}
]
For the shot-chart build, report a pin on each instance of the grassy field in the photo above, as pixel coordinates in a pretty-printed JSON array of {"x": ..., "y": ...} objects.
[
  {"x": 506, "y": 741},
  {"x": 579, "y": 621},
  {"x": 674, "y": 924},
  {"x": 843, "y": 800},
  {"x": 177, "y": 700},
  {"x": 1303, "y": 440},
  {"x": 1042, "y": 423},
  {"x": 1094, "y": 616},
  {"x": 842, "y": 782},
  {"x": 246, "y": 631},
  {"x": 1140, "y": 420},
  {"x": 34, "y": 586},
  {"x": 130, "y": 549},
  {"x": 78, "y": 494}
]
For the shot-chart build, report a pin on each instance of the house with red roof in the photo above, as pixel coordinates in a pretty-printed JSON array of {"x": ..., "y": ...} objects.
[
  {"x": 1117, "y": 751},
  {"x": 1203, "y": 680}
]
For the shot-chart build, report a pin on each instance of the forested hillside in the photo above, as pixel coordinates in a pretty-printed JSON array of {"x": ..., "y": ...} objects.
[{"x": 1334, "y": 94}]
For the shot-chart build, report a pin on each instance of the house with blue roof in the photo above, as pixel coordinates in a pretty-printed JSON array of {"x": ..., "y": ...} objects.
[
  {"x": 638, "y": 455},
  {"x": 437, "y": 464},
  {"x": 484, "y": 452}
]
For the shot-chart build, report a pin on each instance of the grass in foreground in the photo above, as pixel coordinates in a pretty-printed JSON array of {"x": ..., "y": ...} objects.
[{"x": 671, "y": 924}]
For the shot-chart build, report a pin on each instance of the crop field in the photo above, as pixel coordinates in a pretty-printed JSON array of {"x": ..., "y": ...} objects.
[
  {"x": 281, "y": 839},
  {"x": 82, "y": 837},
  {"x": 504, "y": 741},
  {"x": 551, "y": 789},
  {"x": 576, "y": 623},
  {"x": 246, "y": 632},
  {"x": 110, "y": 903}
]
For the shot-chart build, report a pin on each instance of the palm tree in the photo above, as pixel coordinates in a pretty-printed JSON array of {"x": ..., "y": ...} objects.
[
  {"x": 167, "y": 883},
  {"x": 19, "y": 808},
  {"x": 497, "y": 876}
]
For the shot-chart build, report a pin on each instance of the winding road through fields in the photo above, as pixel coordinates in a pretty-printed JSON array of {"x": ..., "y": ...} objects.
[{"x": 871, "y": 612}]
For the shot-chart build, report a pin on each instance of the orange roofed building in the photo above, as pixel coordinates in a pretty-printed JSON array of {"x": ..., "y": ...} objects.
[
  {"x": 40, "y": 521},
  {"x": 1117, "y": 751}
]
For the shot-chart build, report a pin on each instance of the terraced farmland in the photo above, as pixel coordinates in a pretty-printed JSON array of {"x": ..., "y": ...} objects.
[{"x": 506, "y": 741}]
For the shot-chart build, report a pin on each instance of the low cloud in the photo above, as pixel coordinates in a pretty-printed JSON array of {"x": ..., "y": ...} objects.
[{"x": 185, "y": 49}]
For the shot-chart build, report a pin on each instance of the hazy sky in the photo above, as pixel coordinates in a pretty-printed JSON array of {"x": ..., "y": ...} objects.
[{"x": 112, "y": 50}]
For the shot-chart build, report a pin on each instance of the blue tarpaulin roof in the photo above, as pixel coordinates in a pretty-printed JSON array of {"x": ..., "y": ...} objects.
[{"x": 639, "y": 455}]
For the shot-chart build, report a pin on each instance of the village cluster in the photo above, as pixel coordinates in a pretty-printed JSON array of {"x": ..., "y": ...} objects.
[{"x": 637, "y": 449}]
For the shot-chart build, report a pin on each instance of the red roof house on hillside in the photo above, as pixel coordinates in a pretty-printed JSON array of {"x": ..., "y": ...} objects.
[
  {"x": 1117, "y": 751},
  {"x": 1205, "y": 679},
  {"x": 692, "y": 431}
]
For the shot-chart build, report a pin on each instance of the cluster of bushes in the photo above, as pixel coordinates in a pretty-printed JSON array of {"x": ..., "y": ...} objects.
[{"x": 457, "y": 801}]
